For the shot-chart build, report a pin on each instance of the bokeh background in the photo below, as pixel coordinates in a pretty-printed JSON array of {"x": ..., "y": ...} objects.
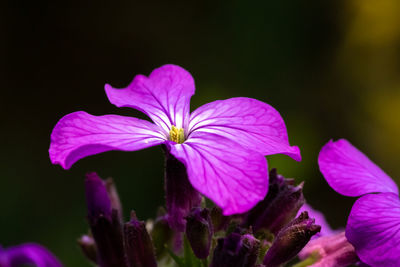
[{"x": 332, "y": 69}]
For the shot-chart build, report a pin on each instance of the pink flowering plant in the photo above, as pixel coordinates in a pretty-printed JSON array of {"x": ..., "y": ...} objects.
[{"x": 224, "y": 207}]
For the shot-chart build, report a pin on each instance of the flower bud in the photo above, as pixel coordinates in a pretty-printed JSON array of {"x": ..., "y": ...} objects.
[
  {"x": 88, "y": 247},
  {"x": 331, "y": 251},
  {"x": 181, "y": 197},
  {"x": 161, "y": 234},
  {"x": 138, "y": 245},
  {"x": 199, "y": 231},
  {"x": 290, "y": 240},
  {"x": 105, "y": 223},
  {"x": 279, "y": 206},
  {"x": 97, "y": 199},
  {"x": 114, "y": 197},
  {"x": 236, "y": 251}
]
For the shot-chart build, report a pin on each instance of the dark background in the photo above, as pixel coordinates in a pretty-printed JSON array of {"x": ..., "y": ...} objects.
[{"x": 330, "y": 67}]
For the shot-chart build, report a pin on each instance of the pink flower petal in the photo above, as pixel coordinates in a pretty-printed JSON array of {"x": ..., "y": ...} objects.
[
  {"x": 249, "y": 122},
  {"x": 164, "y": 96},
  {"x": 333, "y": 250},
  {"x": 80, "y": 134},
  {"x": 373, "y": 228},
  {"x": 349, "y": 172},
  {"x": 234, "y": 177}
]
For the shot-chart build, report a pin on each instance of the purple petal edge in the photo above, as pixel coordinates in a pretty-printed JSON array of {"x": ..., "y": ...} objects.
[
  {"x": 251, "y": 123},
  {"x": 80, "y": 134},
  {"x": 30, "y": 253},
  {"x": 373, "y": 228},
  {"x": 349, "y": 172},
  {"x": 164, "y": 96}
]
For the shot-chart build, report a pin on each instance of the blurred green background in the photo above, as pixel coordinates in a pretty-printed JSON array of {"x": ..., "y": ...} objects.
[{"x": 330, "y": 67}]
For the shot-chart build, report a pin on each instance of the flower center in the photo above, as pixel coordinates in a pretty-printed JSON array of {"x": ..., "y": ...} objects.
[{"x": 177, "y": 135}]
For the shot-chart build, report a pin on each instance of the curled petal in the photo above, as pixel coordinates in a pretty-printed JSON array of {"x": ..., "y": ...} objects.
[
  {"x": 252, "y": 123},
  {"x": 234, "y": 177},
  {"x": 373, "y": 228},
  {"x": 164, "y": 96},
  {"x": 30, "y": 253},
  {"x": 349, "y": 172},
  {"x": 319, "y": 220},
  {"x": 80, "y": 134}
]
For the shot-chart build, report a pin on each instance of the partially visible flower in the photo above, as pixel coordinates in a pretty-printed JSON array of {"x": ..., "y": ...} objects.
[
  {"x": 328, "y": 248},
  {"x": 28, "y": 254},
  {"x": 222, "y": 144},
  {"x": 332, "y": 250},
  {"x": 373, "y": 226}
]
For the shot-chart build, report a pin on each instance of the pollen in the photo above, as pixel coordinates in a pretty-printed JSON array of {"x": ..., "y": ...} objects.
[{"x": 177, "y": 135}]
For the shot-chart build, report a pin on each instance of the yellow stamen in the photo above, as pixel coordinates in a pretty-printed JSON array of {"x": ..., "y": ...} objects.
[{"x": 177, "y": 135}]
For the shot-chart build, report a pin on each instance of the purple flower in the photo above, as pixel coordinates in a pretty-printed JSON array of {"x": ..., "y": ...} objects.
[
  {"x": 330, "y": 251},
  {"x": 29, "y": 253},
  {"x": 373, "y": 226},
  {"x": 222, "y": 144},
  {"x": 329, "y": 247}
]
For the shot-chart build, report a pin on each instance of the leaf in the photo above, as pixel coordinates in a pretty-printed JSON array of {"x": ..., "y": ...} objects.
[
  {"x": 189, "y": 258},
  {"x": 178, "y": 260}
]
